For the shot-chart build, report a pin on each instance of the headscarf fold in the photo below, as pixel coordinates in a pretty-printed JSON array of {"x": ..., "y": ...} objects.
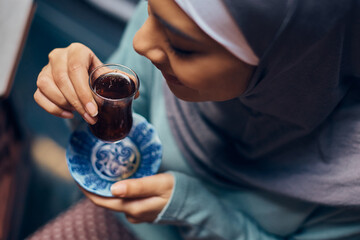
[
  {"x": 212, "y": 18},
  {"x": 296, "y": 129}
]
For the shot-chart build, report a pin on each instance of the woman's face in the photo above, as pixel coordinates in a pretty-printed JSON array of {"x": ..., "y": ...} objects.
[{"x": 196, "y": 68}]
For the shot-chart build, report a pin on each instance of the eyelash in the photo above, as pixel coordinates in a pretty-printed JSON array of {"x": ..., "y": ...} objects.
[{"x": 179, "y": 52}]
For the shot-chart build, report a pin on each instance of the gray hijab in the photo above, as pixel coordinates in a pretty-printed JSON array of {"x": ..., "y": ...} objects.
[{"x": 296, "y": 129}]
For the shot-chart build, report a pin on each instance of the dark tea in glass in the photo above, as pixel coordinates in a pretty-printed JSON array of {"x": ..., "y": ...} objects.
[{"x": 114, "y": 87}]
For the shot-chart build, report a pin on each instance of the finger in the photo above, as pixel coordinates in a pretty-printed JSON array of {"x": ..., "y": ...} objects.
[
  {"x": 144, "y": 209},
  {"x": 58, "y": 62},
  {"x": 50, "y": 107},
  {"x": 78, "y": 70},
  {"x": 138, "y": 209},
  {"x": 156, "y": 185},
  {"x": 48, "y": 88},
  {"x": 115, "y": 204}
]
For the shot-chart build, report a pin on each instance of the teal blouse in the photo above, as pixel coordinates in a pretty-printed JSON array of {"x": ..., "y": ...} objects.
[{"x": 199, "y": 210}]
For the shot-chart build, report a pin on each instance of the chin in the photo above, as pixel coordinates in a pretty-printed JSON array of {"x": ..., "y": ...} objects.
[
  {"x": 185, "y": 93},
  {"x": 180, "y": 90}
]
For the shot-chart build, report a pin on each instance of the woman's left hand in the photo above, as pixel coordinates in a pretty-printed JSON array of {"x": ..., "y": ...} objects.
[{"x": 141, "y": 199}]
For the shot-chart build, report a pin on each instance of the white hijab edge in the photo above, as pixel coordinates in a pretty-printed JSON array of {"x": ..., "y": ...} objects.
[{"x": 213, "y": 17}]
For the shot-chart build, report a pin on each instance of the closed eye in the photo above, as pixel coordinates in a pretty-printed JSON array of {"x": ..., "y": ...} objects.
[{"x": 180, "y": 52}]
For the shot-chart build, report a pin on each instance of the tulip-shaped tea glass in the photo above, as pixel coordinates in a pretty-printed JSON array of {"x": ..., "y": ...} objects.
[{"x": 114, "y": 87}]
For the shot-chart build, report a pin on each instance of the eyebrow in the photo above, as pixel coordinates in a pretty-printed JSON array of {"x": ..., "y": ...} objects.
[{"x": 174, "y": 29}]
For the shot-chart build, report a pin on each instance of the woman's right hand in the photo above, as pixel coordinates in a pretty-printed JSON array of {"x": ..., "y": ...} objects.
[{"x": 62, "y": 85}]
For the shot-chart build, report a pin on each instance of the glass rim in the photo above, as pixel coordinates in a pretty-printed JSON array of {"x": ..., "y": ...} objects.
[{"x": 116, "y": 65}]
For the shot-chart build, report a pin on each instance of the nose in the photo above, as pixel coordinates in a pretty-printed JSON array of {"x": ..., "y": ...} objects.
[{"x": 147, "y": 42}]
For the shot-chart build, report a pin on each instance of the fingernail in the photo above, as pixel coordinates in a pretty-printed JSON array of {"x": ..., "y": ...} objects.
[
  {"x": 66, "y": 114},
  {"x": 90, "y": 107},
  {"x": 89, "y": 119},
  {"x": 118, "y": 189}
]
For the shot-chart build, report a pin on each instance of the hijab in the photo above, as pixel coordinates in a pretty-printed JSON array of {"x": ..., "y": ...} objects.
[{"x": 296, "y": 129}]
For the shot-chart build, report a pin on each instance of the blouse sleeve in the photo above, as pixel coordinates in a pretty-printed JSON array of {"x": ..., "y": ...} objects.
[{"x": 201, "y": 215}]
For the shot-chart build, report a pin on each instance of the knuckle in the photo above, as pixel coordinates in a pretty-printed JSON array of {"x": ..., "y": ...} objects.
[
  {"x": 74, "y": 66},
  {"x": 37, "y": 96},
  {"x": 55, "y": 52},
  {"x": 41, "y": 82},
  {"x": 60, "y": 79},
  {"x": 76, "y": 45},
  {"x": 135, "y": 211}
]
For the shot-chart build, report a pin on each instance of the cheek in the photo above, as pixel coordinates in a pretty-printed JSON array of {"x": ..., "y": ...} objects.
[
  {"x": 192, "y": 78},
  {"x": 217, "y": 75},
  {"x": 235, "y": 80},
  {"x": 194, "y": 73},
  {"x": 221, "y": 80}
]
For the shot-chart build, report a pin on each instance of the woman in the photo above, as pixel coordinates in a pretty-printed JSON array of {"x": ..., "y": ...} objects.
[{"x": 258, "y": 117}]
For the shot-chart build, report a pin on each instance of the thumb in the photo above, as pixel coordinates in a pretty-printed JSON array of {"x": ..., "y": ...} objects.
[{"x": 155, "y": 185}]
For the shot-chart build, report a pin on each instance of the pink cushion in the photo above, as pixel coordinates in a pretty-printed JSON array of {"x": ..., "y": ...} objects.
[{"x": 84, "y": 221}]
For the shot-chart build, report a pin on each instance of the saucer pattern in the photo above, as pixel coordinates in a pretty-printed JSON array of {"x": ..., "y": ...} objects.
[{"x": 116, "y": 161}]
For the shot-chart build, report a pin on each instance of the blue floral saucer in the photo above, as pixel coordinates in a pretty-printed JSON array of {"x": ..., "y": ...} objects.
[{"x": 96, "y": 165}]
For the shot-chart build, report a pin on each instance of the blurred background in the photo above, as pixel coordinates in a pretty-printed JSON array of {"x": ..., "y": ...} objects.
[{"x": 43, "y": 186}]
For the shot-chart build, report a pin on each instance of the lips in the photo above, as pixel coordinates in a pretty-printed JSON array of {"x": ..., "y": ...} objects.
[{"x": 172, "y": 79}]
